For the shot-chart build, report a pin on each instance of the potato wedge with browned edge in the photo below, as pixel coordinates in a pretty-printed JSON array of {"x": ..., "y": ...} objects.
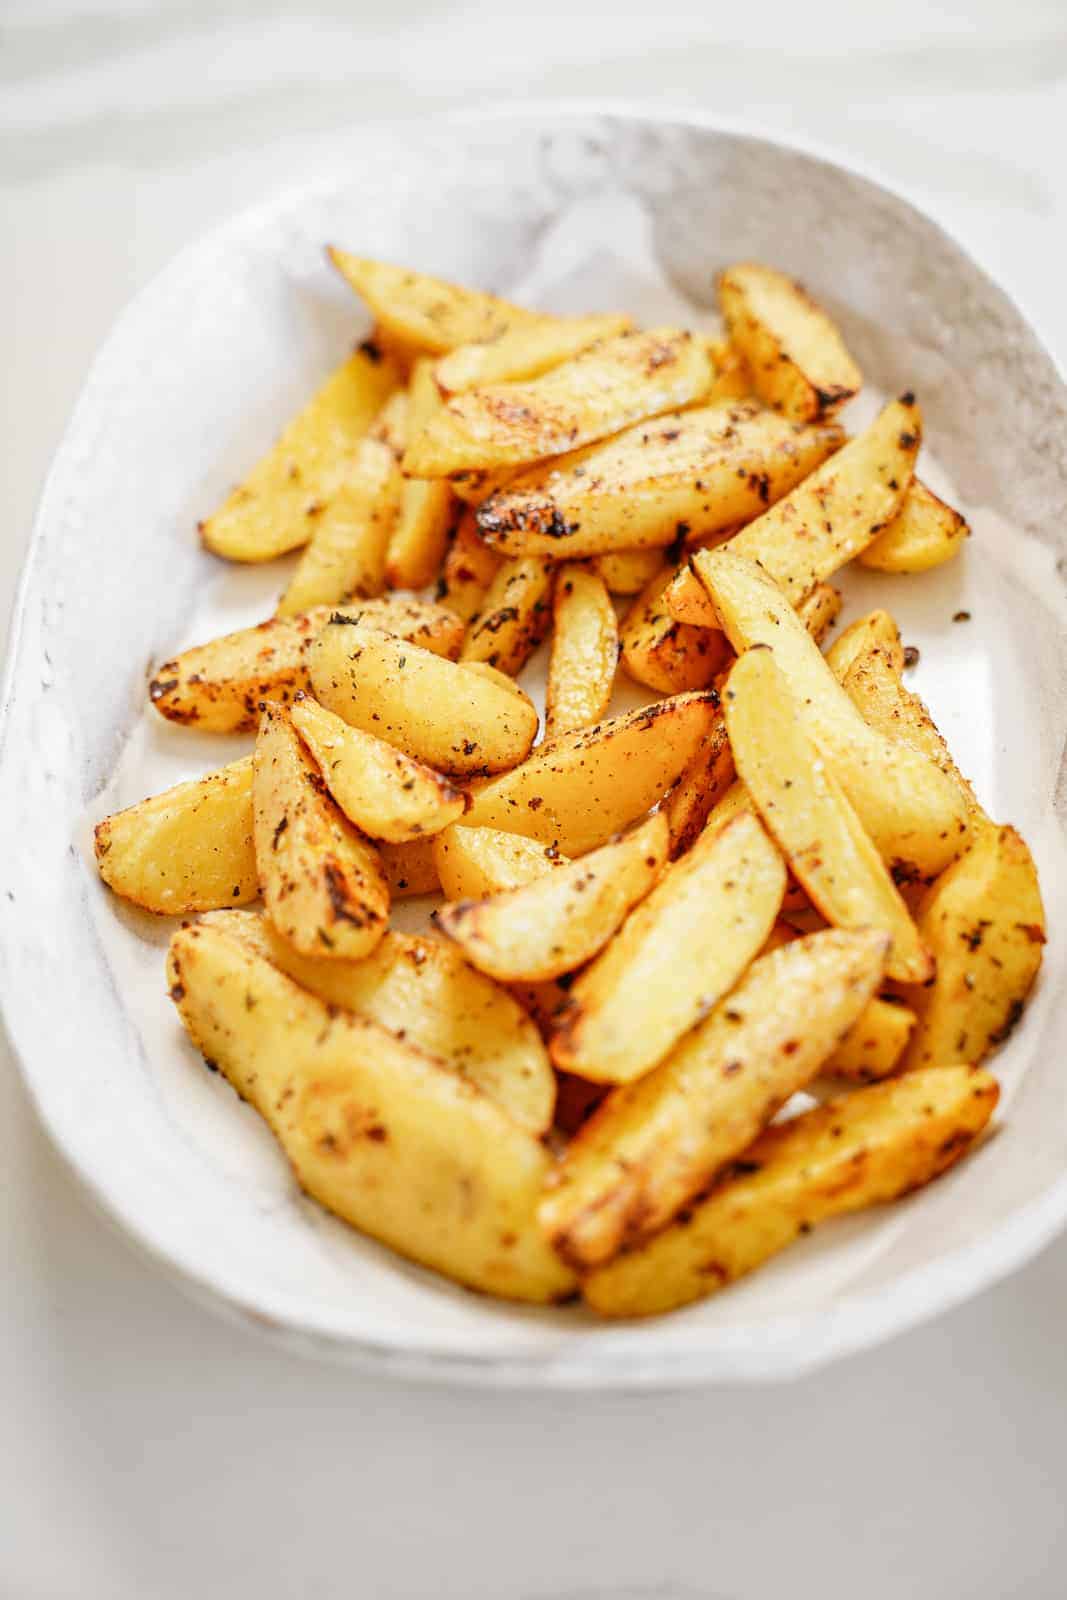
[
  {"x": 374, "y": 1129},
  {"x": 187, "y": 849},
  {"x": 674, "y": 957},
  {"x": 525, "y": 351},
  {"x": 868, "y": 1147},
  {"x": 322, "y": 881},
  {"x": 925, "y": 533},
  {"x": 611, "y": 386},
  {"x": 427, "y": 314},
  {"x": 577, "y": 790},
  {"x": 689, "y": 474},
  {"x": 424, "y": 991},
  {"x": 686, "y": 600},
  {"x": 427, "y": 506},
  {"x": 699, "y": 789},
  {"x": 654, "y": 1144},
  {"x": 434, "y": 710},
  {"x": 382, "y": 791},
  {"x": 561, "y": 919},
  {"x": 278, "y": 506},
  {"x": 664, "y": 654},
  {"x": 469, "y": 568},
  {"x": 410, "y": 869},
  {"x": 878, "y": 629},
  {"x": 513, "y": 617},
  {"x": 796, "y": 358},
  {"x": 585, "y": 651},
  {"x": 873, "y": 1047},
  {"x": 390, "y": 426},
  {"x": 628, "y": 571},
  {"x": 820, "y": 609},
  {"x": 346, "y": 553},
  {"x": 732, "y": 380},
  {"x": 474, "y": 863}
]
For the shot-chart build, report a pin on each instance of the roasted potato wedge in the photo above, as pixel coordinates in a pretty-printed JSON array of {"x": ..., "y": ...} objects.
[
  {"x": 322, "y": 881},
  {"x": 653, "y": 1145},
  {"x": 924, "y": 533},
  {"x": 382, "y": 791},
  {"x": 911, "y": 811},
  {"x": 561, "y": 919},
  {"x": 390, "y": 426},
  {"x": 577, "y": 790},
  {"x": 732, "y": 380},
  {"x": 525, "y": 351},
  {"x": 188, "y": 849},
  {"x": 422, "y": 990},
  {"x": 699, "y": 789},
  {"x": 664, "y": 654},
  {"x": 374, "y": 1129},
  {"x": 427, "y": 506},
  {"x": 410, "y": 869},
  {"x": 434, "y": 710},
  {"x": 876, "y": 629},
  {"x": 477, "y": 485},
  {"x": 820, "y": 609},
  {"x": 279, "y": 505},
  {"x": 585, "y": 651},
  {"x": 427, "y": 314},
  {"x": 805, "y": 810},
  {"x": 870, "y": 1146},
  {"x": 346, "y": 552},
  {"x": 513, "y": 617},
  {"x": 675, "y": 956},
  {"x": 616, "y": 383},
  {"x": 873, "y": 1047},
  {"x": 628, "y": 571},
  {"x": 474, "y": 863},
  {"x": 689, "y": 474},
  {"x": 796, "y": 359},
  {"x": 469, "y": 568}
]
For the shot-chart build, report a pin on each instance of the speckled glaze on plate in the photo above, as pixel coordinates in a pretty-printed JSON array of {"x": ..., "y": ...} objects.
[{"x": 570, "y": 207}]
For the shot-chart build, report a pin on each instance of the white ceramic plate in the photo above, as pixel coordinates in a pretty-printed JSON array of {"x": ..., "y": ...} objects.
[{"x": 574, "y": 210}]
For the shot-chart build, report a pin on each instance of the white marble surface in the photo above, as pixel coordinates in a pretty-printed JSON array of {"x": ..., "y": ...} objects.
[{"x": 151, "y": 1448}]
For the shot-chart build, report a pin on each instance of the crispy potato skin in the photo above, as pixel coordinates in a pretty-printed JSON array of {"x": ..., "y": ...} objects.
[
  {"x": 188, "y": 849},
  {"x": 628, "y": 571},
  {"x": 427, "y": 314},
  {"x": 653, "y": 1145},
  {"x": 526, "y": 351},
  {"x": 578, "y": 789},
  {"x": 795, "y": 358},
  {"x": 699, "y": 789},
  {"x": 560, "y": 919},
  {"x": 687, "y": 475},
  {"x": 474, "y": 863},
  {"x": 585, "y": 651},
  {"x": 469, "y": 568},
  {"x": 278, "y": 506},
  {"x": 665, "y": 654},
  {"x": 346, "y": 553},
  {"x": 878, "y": 629},
  {"x": 422, "y": 990},
  {"x": 871, "y": 1146},
  {"x": 376, "y": 1131},
  {"x": 322, "y": 881},
  {"x": 513, "y": 617},
  {"x": 674, "y": 957},
  {"x": 434, "y": 710},
  {"x": 924, "y": 534}
]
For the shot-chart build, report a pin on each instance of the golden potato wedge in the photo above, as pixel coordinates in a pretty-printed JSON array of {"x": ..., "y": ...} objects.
[
  {"x": 876, "y": 629},
  {"x": 188, "y": 849},
  {"x": 585, "y": 651},
  {"x": 732, "y": 380},
  {"x": 434, "y": 710},
  {"x": 689, "y": 474},
  {"x": 870, "y": 1146},
  {"x": 699, "y": 789},
  {"x": 653, "y": 1145},
  {"x": 912, "y": 812},
  {"x": 218, "y": 687},
  {"x": 616, "y": 383},
  {"x": 427, "y": 506},
  {"x": 377, "y": 1131},
  {"x": 322, "y": 881},
  {"x": 577, "y": 790},
  {"x": 525, "y": 351},
  {"x": 687, "y": 601},
  {"x": 422, "y": 990},
  {"x": 985, "y": 923},
  {"x": 390, "y": 426},
  {"x": 410, "y": 869},
  {"x": 469, "y": 568},
  {"x": 427, "y": 314},
  {"x": 349, "y": 540},
  {"x": 474, "y": 863},
  {"x": 513, "y": 617},
  {"x": 795, "y": 356},
  {"x": 382, "y": 791},
  {"x": 278, "y": 506},
  {"x": 664, "y": 654},
  {"x": 874, "y": 1045},
  {"x": 675, "y": 956},
  {"x": 820, "y": 609},
  {"x": 805, "y": 810},
  {"x": 477, "y": 485},
  {"x": 924, "y": 533},
  {"x": 560, "y": 920},
  {"x": 628, "y": 571}
]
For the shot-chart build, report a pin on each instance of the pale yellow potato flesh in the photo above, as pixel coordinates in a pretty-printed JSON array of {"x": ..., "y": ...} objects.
[
  {"x": 427, "y": 506},
  {"x": 513, "y": 617},
  {"x": 732, "y": 380},
  {"x": 653, "y": 1145},
  {"x": 577, "y": 790},
  {"x": 924, "y": 534},
  {"x": 870, "y": 1146},
  {"x": 609, "y": 387},
  {"x": 525, "y": 351},
  {"x": 346, "y": 552},
  {"x": 469, "y": 568},
  {"x": 912, "y": 812},
  {"x": 477, "y": 485},
  {"x": 378, "y": 1132},
  {"x": 427, "y": 314},
  {"x": 805, "y": 810},
  {"x": 796, "y": 358},
  {"x": 820, "y": 609},
  {"x": 410, "y": 869},
  {"x": 585, "y": 650},
  {"x": 422, "y": 990},
  {"x": 878, "y": 629},
  {"x": 434, "y": 710},
  {"x": 390, "y": 426},
  {"x": 322, "y": 882},
  {"x": 665, "y": 654},
  {"x": 278, "y": 506},
  {"x": 561, "y": 919},
  {"x": 700, "y": 788},
  {"x": 382, "y": 791},
  {"x": 474, "y": 863},
  {"x": 218, "y": 687},
  {"x": 676, "y": 955},
  {"x": 628, "y": 571},
  {"x": 689, "y": 474},
  {"x": 188, "y": 849},
  {"x": 873, "y": 1047}
]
